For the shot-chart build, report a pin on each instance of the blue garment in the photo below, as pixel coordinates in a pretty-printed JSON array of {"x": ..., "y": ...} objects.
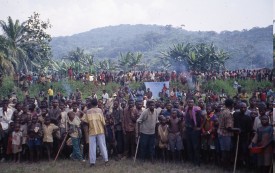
[
  {"x": 76, "y": 149},
  {"x": 34, "y": 142}
]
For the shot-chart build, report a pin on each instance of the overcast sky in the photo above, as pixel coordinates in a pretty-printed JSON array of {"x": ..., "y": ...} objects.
[{"x": 69, "y": 17}]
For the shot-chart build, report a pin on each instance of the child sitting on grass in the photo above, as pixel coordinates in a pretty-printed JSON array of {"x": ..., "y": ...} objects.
[
  {"x": 48, "y": 129},
  {"x": 17, "y": 138}
]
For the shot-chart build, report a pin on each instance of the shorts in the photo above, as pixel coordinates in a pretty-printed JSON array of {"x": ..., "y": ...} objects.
[
  {"x": 175, "y": 142},
  {"x": 33, "y": 143},
  {"x": 225, "y": 143}
]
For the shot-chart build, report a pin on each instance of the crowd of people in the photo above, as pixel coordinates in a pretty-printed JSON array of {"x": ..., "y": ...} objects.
[
  {"x": 24, "y": 79},
  {"x": 199, "y": 127}
]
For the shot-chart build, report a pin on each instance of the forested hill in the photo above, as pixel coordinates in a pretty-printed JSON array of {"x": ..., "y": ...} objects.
[{"x": 248, "y": 48}]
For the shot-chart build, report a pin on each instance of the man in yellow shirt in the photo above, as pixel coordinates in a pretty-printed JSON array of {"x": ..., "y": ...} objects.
[
  {"x": 50, "y": 93},
  {"x": 95, "y": 119}
]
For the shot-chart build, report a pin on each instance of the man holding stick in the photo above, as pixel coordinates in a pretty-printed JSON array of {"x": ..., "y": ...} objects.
[
  {"x": 226, "y": 131},
  {"x": 146, "y": 130}
]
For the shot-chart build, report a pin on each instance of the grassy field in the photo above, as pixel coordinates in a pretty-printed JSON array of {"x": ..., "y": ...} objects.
[{"x": 125, "y": 166}]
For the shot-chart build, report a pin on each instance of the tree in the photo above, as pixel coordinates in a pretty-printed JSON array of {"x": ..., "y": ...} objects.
[
  {"x": 82, "y": 61},
  {"x": 27, "y": 43},
  {"x": 200, "y": 57},
  {"x": 129, "y": 60}
]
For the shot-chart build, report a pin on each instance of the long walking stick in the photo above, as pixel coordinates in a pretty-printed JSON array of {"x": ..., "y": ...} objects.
[
  {"x": 61, "y": 146},
  {"x": 236, "y": 154},
  {"x": 136, "y": 149}
]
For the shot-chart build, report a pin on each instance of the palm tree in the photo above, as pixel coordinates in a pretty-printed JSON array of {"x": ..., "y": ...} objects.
[
  {"x": 200, "y": 57},
  {"x": 26, "y": 44},
  {"x": 14, "y": 34}
]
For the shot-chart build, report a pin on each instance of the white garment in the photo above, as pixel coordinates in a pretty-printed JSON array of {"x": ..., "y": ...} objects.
[
  {"x": 93, "y": 142},
  {"x": 105, "y": 97},
  {"x": 5, "y": 118}
]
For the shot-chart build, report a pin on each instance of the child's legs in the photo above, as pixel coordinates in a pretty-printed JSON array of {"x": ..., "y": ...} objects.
[
  {"x": 92, "y": 149},
  {"x": 38, "y": 152},
  {"x": 76, "y": 148},
  {"x": 102, "y": 146},
  {"x": 49, "y": 146}
]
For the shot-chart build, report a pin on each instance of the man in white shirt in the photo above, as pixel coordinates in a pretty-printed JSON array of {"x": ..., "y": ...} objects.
[
  {"x": 105, "y": 97},
  {"x": 5, "y": 119}
]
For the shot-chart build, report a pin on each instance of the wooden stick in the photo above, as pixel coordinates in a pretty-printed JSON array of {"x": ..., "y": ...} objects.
[
  {"x": 136, "y": 149},
  {"x": 61, "y": 146},
  {"x": 236, "y": 154}
]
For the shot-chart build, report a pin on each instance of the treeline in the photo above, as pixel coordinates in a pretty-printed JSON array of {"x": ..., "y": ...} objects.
[{"x": 245, "y": 47}]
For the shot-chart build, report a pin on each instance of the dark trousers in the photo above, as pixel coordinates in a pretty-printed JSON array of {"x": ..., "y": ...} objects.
[
  {"x": 50, "y": 100},
  {"x": 193, "y": 145},
  {"x": 129, "y": 143},
  {"x": 4, "y": 144},
  {"x": 147, "y": 145},
  {"x": 119, "y": 140}
]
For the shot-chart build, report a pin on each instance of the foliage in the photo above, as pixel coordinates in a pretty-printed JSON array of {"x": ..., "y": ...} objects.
[
  {"x": 200, "y": 57},
  {"x": 129, "y": 61},
  {"x": 79, "y": 61},
  {"x": 7, "y": 87},
  {"x": 227, "y": 85},
  {"x": 26, "y": 45},
  {"x": 150, "y": 40}
]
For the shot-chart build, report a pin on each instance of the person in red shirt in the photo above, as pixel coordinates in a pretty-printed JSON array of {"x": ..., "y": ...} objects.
[{"x": 70, "y": 73}]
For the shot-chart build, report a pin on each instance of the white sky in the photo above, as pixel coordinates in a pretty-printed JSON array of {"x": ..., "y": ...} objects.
[{"x": 74, "y": 16}]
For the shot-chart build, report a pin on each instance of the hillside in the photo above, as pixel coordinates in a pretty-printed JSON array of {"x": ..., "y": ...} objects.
[{"x": 248, "y": 48}]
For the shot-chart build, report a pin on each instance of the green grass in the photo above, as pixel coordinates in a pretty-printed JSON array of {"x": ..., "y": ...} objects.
[{"x": 125, "y": 166}]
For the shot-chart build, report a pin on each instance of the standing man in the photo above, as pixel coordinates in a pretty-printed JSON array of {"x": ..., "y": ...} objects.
[
  {"x": 50, "y": 93},
  {"x": 146, "y": 128},
  {"x": 5, "y": 119},
  {"x": 94, "y": 117},
  {"x": 70, "y": 73},
  {"x": 129, "y": 119},
  {"x": 193, "y": 124},
  {"x": 244, "y": 122},
  {"x": 105, "y": 97},
  {"x": 225, "y": 131}
]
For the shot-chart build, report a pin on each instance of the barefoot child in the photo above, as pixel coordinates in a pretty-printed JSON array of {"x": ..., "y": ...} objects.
[
  {"x": 48, "y": 129},
  {"x": 163, "y": 137},
  {"x": 35, "y": 138},
  {"x": 174, "y": 136},
  {"x": 17, "y": 143},
  {"x": 75, "y": 134}
]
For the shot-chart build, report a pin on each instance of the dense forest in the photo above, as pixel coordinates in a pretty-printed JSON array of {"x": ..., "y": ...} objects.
[{"x": 247, "y": 49}]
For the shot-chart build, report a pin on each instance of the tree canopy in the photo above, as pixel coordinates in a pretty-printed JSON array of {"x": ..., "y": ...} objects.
[
  {"x": 196, "y": 57},
  {"x": 24, "y": 46}
]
